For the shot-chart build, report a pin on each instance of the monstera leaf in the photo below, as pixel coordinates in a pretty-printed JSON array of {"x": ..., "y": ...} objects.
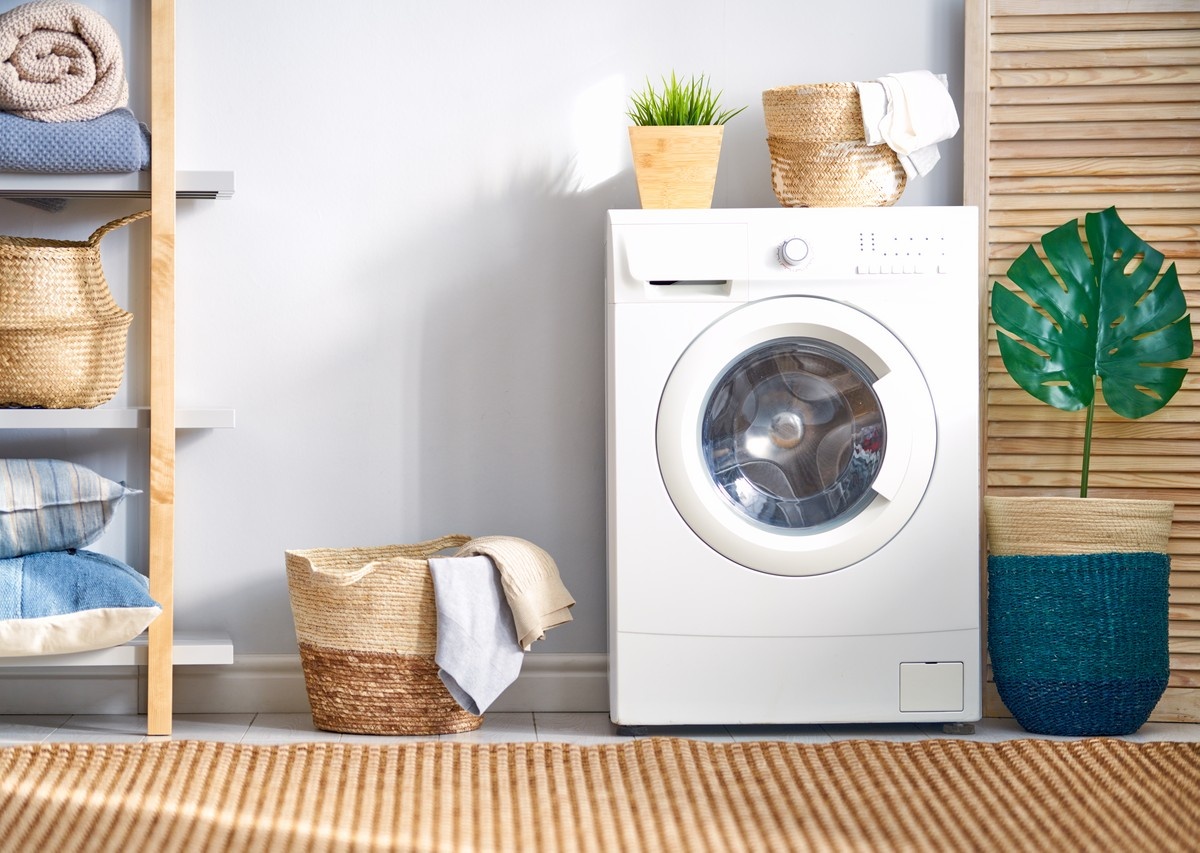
[{"x": 1105, "y": 313}]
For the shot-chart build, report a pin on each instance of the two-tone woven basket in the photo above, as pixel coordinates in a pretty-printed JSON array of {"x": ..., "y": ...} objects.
[
  {"x": 366, "y": 624},
  {"x": 1077, "y": 611},
  {"x": 819, "y": 155},
  {"x": 62, "y": 336}
]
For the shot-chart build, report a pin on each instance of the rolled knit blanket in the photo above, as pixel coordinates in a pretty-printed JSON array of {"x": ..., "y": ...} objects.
[{"x": 60, "y": 62}]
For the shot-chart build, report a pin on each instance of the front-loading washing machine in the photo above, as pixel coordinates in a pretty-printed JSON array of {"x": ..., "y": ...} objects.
[{"x": 793, "y": 466}]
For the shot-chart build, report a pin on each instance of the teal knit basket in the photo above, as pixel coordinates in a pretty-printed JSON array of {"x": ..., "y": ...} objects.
[{"x": 1078, "y": 642}]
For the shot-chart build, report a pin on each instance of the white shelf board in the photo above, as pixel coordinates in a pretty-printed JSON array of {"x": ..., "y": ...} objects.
[
  {"x": 137, "y": 417},
  {"x": 190, "y": 649},
  {"x": 210, "y": 185}
]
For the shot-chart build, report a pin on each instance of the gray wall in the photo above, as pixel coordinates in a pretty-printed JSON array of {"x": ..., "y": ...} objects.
[{"x": 404, "y": 299}]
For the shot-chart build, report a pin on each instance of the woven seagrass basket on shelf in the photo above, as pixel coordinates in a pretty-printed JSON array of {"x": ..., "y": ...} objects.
[
  {"x": 819, "y": 155},
  {"x": 62, "y": 336},
  {"x": 366, "y": 624}
]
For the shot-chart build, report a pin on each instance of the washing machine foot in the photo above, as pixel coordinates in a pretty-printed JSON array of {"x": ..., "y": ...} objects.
[
  {"x": 958, "y": 728},
  {"x": 633, "y": 731}
]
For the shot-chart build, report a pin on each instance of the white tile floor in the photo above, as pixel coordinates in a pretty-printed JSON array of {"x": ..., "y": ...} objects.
[{"x": 497, "y": 727}]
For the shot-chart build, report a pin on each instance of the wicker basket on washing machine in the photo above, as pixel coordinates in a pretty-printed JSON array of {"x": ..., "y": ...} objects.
[
  {"x": 819, "y": 155},
  {"x": 366, "y": 624}
]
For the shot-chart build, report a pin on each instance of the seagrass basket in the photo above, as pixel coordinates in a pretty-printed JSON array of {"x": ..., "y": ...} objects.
[
  {"x": 1077, "y": 609},
  {"x": 366, "y": 624},
  {"x": 819, "y": 155},
  {"x": 62, "y": 337}
]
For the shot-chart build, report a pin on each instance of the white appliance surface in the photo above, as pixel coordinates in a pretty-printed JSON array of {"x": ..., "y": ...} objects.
[{"x": 738, "y": 594}]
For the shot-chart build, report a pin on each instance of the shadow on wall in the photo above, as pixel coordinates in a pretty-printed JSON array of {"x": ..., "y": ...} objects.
[{"x": 510, "y": 432}]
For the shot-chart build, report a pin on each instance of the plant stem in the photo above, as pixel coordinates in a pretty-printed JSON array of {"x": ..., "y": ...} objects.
[{"x": 1087, "y": 446}]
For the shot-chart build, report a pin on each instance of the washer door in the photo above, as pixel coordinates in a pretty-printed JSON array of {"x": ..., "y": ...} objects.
[{"x": 796, "y": 435}]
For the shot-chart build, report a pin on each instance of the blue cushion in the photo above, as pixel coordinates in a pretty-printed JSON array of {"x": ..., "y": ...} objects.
[
  {"x": 52, "y": 505},
  {"x": 58, "y": 602}
]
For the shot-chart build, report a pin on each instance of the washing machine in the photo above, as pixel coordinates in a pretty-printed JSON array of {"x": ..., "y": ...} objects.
[{"x": 793, "y": 466}]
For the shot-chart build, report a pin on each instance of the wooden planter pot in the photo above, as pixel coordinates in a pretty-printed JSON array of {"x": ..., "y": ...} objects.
[
  {"x": 1077, "y": 611},
  {"x": 676, "y": 166}
]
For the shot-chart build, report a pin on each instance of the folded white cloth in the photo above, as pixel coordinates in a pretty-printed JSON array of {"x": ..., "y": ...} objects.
[
  {"x": 60, "y": 61},
  {"x": 477, "y": 650},
  {"x": 910, "y": 112},
  {"x": 532, "y": 586}
]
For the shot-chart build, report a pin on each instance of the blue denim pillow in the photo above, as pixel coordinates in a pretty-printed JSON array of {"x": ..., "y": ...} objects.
[
  {"x": 58, "y": 602},
  {"x": 52, "y": 505}
]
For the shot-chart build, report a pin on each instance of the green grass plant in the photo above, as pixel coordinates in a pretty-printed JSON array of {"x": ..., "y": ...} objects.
[{"x": 690, "y": 102}]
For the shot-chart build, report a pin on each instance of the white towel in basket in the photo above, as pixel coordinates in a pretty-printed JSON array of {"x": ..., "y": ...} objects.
[
  {"x": 910, "y": 112},
  {"x": 477, "y": 649}
]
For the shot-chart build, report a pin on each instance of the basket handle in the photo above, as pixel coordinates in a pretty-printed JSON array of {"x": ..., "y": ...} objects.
[
  {"x": 418, "y": 551},
  {"x": 94, "y": 240}
]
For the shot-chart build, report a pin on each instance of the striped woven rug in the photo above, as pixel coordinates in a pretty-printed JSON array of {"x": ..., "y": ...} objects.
[{"x": 650, "y": 794}]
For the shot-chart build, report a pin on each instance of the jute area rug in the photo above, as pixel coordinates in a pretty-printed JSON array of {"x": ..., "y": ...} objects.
[{"x": 651, "y": 794}]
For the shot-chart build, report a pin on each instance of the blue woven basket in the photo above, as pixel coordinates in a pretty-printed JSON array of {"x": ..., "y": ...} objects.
[{"x": 1078, "y": 643}]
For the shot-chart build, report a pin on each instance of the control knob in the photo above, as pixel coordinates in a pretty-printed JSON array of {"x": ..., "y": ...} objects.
[{"x": 793, "y": 252}]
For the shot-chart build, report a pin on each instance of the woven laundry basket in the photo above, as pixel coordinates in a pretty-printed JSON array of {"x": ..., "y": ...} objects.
[
  {"x": 1078, "y": 606},
  {"x": 62, "y": 337},
  {"x": 819, "y": 155},
  {"x": 366, "y": 625}
]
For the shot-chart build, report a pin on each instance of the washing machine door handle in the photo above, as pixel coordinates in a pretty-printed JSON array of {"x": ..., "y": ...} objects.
[{"x": 900, "y": 415}]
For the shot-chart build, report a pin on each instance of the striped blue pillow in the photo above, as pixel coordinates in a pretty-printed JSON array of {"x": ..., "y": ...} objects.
[{"x": 52, "y": 505}]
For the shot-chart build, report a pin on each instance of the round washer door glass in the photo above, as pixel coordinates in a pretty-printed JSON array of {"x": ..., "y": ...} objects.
[
  {"x": 793, "y": 434},
  {"x": 796, "y": 435}
]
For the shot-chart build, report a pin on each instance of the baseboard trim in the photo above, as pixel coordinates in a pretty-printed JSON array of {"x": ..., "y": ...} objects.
[{"x": 275, "y": 684}]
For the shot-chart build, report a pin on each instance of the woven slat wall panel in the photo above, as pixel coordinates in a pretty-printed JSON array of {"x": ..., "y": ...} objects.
[{"x": 1072, "y": 106}]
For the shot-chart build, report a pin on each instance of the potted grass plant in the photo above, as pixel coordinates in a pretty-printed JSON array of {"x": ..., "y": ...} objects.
[
  {"x": 1078, "y": 586},
  {"x": 676, "y": 141}
]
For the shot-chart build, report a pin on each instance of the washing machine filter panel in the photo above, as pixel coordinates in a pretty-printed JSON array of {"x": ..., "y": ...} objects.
[{"x": 793, "y": 434}]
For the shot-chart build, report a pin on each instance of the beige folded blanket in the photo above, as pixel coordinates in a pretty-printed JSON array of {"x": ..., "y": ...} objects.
[
  {"x": 60, "y": 62},
  {"x": 529, "y": 578}
]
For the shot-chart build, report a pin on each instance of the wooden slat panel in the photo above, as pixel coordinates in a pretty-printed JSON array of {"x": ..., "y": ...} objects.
[
  {"x": 1185, "y": 662},
  {"x": 1059, "y": 462},
  {"x": 1101, "y": 40},
  {"x": 1112, "y": 480},
  {"x": 1087, "y": 77},
  {"x": 1007, "y": 8},
  {"x": 1152, "y": 234},
  {"x": 1096, "y": 58},
  {"x": 1184, "y": 92},
  {"x": 1085, "y": 104},
  {"x": 1095, "y": 23},
  {"x": 1131, "y": 216},
  {"x": 1083, "y": 130},
  {"x": 1129, "y": 110},
  {"x": 1092, "y": 201},
  {"x": 1092, "y": 166}
]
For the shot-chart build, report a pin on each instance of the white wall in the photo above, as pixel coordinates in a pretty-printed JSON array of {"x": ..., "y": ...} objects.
[{"x": 404, "y": 298}]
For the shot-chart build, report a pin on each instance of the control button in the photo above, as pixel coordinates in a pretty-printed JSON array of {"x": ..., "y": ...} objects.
[
  {"x": 793, "y": 252},
  {"x": 863, "y": 269}
]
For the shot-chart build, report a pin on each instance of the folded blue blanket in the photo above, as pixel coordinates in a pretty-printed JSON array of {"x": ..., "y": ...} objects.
[{"x": 114, "y": 142}]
